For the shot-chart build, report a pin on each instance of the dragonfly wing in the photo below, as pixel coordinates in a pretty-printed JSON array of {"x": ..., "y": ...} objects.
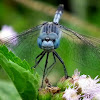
[
  {"x": 80, "y": 51},
  {"x": 25, "y": 45}
]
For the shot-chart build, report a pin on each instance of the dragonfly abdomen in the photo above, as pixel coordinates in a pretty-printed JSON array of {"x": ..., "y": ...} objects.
[{"x": 58, "y": 13}]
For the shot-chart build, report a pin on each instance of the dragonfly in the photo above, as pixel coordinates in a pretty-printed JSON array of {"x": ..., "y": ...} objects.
[{"x": 49, "y": 37}]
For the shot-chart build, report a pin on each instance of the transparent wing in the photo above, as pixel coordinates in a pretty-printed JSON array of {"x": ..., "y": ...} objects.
[
  {"x": 80, "y": 51},
  {"x": 25, "y": 45}
]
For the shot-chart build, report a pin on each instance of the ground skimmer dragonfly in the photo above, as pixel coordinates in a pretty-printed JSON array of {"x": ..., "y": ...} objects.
[{"x": 63, "y": 44}]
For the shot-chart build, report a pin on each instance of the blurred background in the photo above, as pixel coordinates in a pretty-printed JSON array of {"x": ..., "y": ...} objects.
[{"x": 82, "y": 16}]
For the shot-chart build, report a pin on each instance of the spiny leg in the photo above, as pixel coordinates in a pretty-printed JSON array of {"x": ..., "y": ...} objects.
[
  {"x": 39, "y": 59},
  {"x": 45, "y": 69},
  {"x": 65, "y": 71},
  {"x": 51, "y": 66}
]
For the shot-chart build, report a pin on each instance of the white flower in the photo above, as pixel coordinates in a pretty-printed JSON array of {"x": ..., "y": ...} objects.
[
  {"x": 88, "y": 84},
  {"x": 71, "y": 94},
  {"x": 97, "y": 96},
  {"x": 87, "y": 97},
  {"x": 7, "y": 34},
  {"x": 77, "y": 76},
  {"x": 90, "y": 87}
]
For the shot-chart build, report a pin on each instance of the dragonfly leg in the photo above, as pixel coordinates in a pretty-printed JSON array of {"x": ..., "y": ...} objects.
[
  {"x": 45, "y": 69},
  {"x": 39, "y": 56},
  {"x": 39, "y": 59},
  {"x": 65, "y": 71},
  {"x": 51, "y": 66}
]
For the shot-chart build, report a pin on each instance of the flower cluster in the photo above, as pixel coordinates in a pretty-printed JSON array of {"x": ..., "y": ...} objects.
[
  {"x": 84, "y": 88},
  {"x": 8, "y": 35}
]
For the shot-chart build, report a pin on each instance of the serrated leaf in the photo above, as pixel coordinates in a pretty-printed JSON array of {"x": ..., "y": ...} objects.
[
  {"x": 24, "y": 80},
  {"x": 12, "y": 57}
]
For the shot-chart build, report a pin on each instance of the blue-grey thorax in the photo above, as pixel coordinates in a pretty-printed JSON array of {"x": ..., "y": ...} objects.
[{"x": 49, "y": 37}]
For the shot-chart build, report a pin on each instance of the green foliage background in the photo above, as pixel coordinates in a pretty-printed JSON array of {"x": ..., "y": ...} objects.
[{"x": 21, "y": 17}]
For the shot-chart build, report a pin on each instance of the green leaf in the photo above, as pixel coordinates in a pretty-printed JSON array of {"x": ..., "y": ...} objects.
[
  {"x": 12, "y": 57},
  {"x": 8, "y": 91},
  {"x": 24, "y": 80}
]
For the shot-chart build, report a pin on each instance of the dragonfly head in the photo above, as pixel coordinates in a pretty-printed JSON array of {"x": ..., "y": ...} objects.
[{"x": 48, "y": 41}]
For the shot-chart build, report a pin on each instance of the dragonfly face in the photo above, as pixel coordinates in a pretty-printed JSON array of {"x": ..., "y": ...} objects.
[{"x": 49, "y": 38}]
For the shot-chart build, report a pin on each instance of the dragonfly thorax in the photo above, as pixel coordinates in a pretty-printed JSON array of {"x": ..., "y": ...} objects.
[{"x": 49, "y": 37}]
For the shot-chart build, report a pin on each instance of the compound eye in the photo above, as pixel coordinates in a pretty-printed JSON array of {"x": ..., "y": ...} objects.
[
  {"x": 53, "y": 40},
  {"x": 42, "y": 40}
]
